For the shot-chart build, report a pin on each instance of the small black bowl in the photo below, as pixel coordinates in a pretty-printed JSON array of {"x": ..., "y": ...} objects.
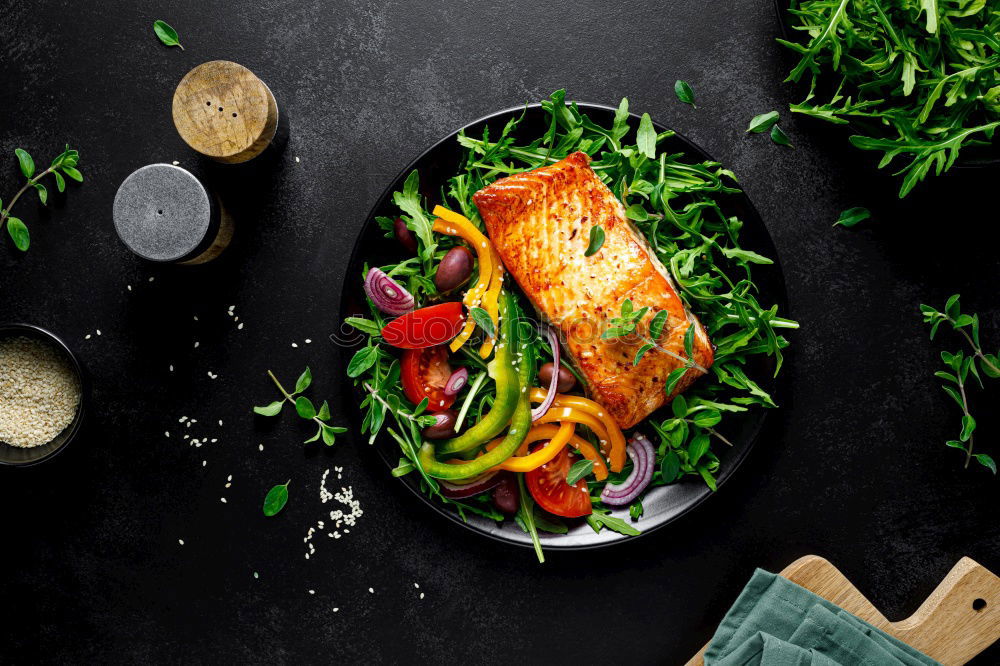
[{"x": 16, "y": 456}]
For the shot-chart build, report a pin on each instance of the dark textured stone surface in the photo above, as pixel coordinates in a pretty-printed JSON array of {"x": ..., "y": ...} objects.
[{"x": 853, "y": 467}]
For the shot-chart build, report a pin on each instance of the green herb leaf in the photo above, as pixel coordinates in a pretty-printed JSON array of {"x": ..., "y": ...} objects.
[
  {"x": 620, "y": 126},
  {"x": 578, "y": 470},
  {"x": 670, "y": 467},
  {"x": 304, "y": 407},
  {"x": 679, "y": 406},
  {"x": 24, "y": 160},
  {"x": 763, "y": 122},
  {"x": 269, "y": 410},
  {"x": 986, "y": 461},
  {"x": 303, "y": 382},
  {"x": 707, "y": 418},
  {"x": 779, "y": 137},
  {"x": 330, "y": 433},
  {"x": 968, "y": 426},
  {"x": 483, "y": 321},
  {"x": 642, "y": 352},
  {"x": 166, "y": 34},
  {"x": 73, "y": 173},
  {"x": 684, "y": 92},
  {"x": 596, "y": 240},
  {"x": 526, "y": 518},
  {"x": 636, "y": 212},
  {"x": 18, "y": 233},
  {"x": 689, "y": 341},
  {"x": 657, "y": 323},
  {"x": 852, "y": 216},
  {"x": 599, "y": 520},
  {"x": 364, "y": 325},
  {"x": 60, "y": 181},
  {"x": 697, "y": 448},
  {"x": 363, "y": 359},
  {"x": 276, "y": 499},
  {"x": 635, "y": 510},
  {"x": 646, "y": 138},
  {"x": 324, "y": 411},
  {"x": 673, "y": 379},
  {"x": 43, "y": 194}
]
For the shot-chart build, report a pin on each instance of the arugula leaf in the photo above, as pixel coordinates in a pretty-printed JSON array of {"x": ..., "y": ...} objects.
[
  {"x": 364, "y": 325},
  {"x": 598, "y": 520},
  {"x": 646, "y": 139}
]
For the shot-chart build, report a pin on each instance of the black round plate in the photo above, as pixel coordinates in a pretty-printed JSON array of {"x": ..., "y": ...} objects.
[{"x": 663, "y": 504}]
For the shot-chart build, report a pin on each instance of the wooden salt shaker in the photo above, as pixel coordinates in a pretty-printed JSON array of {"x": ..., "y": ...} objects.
[
  {"x": 223, "y": 111},
  {"x": 164, "y": 213}
]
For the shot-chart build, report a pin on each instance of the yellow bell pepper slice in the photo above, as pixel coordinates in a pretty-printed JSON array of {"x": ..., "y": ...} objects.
[
  {"x": 616, "y": 439},
  {"x": 559, "y": 437},
  {"x": 491, "y": 302},
  {"x": 453, "y": 224},
  {"x": 612, "y": 440}
]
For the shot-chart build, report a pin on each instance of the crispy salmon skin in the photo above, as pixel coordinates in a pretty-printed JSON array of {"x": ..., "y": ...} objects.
[{"x": 540, "y": 222}]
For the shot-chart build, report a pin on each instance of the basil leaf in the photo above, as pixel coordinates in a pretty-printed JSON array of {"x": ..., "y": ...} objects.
[
  {"x": 646, "y": 138},
  {"x": 276, "y": 499},
  {"x": 363, "y": 359},
  {"x": 673, "y": 379},
  {"x": 303, "y": 382},
  {"x": 304, "y": 407},
  {"x": 852, "y": 216},
  {"x": 763, "y": 122},
  {"x": 670, "y": 467},
  {"x": 18, "y": 233},
  {"x": 269, "y": 410},
  {"x": 166, "y": 34},
  {"x": 657, "y": 323},
  {"x": 73, "y": 173},
  {"x": 684, "y": 92},
  {"x": 483, "y": 320},
  {"x": 596, "y": 240},
  {"x": 26, "y": 163},
  {"x": 578, "y": 470},
  {"x": 642, "y": 352},
  {"x": 779, "y": 137}
]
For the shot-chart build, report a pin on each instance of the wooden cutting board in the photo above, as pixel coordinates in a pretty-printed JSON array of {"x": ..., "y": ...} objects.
[{"x": 960, "y": 618}]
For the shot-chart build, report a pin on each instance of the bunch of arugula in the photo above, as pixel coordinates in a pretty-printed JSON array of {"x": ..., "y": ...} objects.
[
  {"x": 917, "y": 79},
  {"x": 960, "y": 366},
  {"x": 677, "y": 205}
]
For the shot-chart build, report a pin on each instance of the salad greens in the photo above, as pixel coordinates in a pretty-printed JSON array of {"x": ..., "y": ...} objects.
[
  {"x": 680, "y": 208},
  {"x": 916, "y": 79},
  {"x": 959, "y": 367}
]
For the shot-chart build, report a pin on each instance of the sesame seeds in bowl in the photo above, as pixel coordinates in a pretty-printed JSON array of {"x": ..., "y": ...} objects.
[{"x": 41, "y": 395}]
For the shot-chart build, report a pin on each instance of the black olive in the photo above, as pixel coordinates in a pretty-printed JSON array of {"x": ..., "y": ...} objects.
[
  {"x": 566, "y": 379},
  {"x": 506, "y": 495},
  {"x": 454, "y": 270},
  {"x": 404, "y": 235}
]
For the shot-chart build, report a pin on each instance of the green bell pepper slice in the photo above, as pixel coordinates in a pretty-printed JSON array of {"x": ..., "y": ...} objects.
[
  {"x": 508, "y": 389},
  {"x": 520, "y": 414}
]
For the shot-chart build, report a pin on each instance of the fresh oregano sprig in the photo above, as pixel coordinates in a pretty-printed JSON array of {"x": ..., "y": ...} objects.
[
  {"x": 959, "y": 367},
  {"x": 304, "y": 407},
  {"x": 64, "y": 163},
  {"x": 627, "y": 323}
]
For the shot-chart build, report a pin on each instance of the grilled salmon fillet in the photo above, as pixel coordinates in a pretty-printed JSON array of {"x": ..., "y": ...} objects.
[{"x": 540, "y": 223}]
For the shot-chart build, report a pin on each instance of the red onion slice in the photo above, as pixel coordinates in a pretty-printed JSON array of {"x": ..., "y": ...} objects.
[
  {"x": 456, "y": 491},
  {"x": 458, "y": 379},
  {"x": 643, "y": 456},
  {"x": 388, "y": 295},
  {"x": 539, "y": 412}
]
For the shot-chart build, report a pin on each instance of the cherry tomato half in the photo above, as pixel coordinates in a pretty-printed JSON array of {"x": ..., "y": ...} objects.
[
  {"x": 425, "y": 327},
  {"x": 425, "y": 373},
  {"x": 548, "y": 486}
]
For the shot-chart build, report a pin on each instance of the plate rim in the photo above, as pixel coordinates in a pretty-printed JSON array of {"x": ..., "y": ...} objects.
[{"x": 547, "y": 543}]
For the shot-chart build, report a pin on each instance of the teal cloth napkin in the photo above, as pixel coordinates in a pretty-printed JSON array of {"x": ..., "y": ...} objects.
[{"x": 775, "y": 622}]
